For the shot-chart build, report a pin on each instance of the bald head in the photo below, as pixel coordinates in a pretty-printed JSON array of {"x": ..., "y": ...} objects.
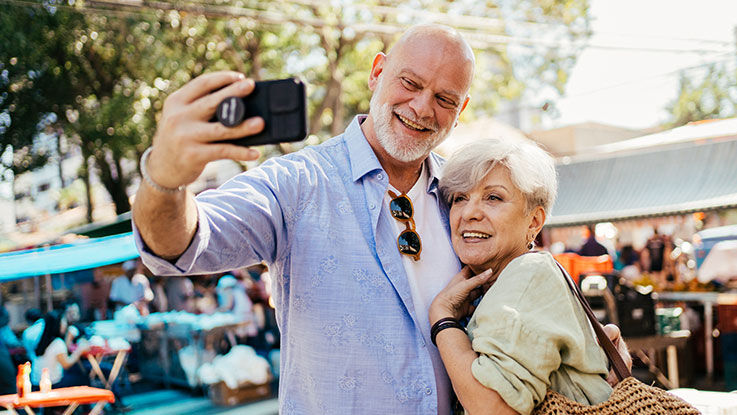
[{"x": 454, "y": 46}]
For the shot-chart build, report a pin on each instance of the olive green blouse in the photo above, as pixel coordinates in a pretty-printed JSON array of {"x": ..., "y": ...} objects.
[{"x": 531, "y": 334}]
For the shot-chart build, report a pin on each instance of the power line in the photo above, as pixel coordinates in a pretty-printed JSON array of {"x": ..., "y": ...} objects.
[
  {"x": 480, "y": 39},
  {"x": 661, "y": 75}
]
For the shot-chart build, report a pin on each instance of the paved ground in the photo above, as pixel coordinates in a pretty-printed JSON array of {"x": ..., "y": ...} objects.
[{"x": 176, "y": 402}]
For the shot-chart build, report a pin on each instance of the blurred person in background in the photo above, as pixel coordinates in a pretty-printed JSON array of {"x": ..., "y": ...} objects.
[
  {"x": 180, "y": 294},
  {"x": 160, "y": 304},
  {"x": 122, "y": 290},
  {"x": 94, "y": 297},
  {"x": 592, "y": 247},
  {"x": 205, "y": 297},
  {"x": 628, "y": 262},
  {"x": 132, "y": 287},
  {"x": 7, "y": 340},
  {"x": 232, "y": 298},
  {"x": 52, "y": 354}
]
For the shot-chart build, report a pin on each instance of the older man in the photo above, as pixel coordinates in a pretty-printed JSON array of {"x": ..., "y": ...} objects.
[{"x": 353, "y": 229}]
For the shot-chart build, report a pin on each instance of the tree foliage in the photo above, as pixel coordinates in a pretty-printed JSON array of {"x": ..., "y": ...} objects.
[
  {"x": 97, "y": 73},
  {"x": 713, "y": 96}
]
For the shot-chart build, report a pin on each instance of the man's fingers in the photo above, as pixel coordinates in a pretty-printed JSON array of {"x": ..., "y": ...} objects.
[
  {"x": 229, "y": 151},
  {"x": 214, "y": 131},
  {"x": 204, "y": 84},
  {"x": 207, "y": 105}
]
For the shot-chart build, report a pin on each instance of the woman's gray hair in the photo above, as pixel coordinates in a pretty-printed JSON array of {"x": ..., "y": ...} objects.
[{"x": 531, "y": 168}]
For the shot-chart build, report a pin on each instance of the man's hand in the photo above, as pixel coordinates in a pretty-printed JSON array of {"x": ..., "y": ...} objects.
[
  {"x": 185, "y": 138},
  {"x": 615, "y": 336}
]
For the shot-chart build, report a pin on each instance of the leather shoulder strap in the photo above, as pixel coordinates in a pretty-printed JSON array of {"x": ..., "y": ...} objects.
[{"x": 618, "y": 365}]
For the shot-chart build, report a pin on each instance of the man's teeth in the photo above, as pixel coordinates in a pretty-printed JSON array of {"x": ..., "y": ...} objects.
[
  {"x": 410, "y": 123},
  {"x": 476, "y": 235}
]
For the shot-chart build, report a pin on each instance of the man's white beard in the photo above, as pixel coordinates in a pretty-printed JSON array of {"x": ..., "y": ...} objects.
[{"x": 401, "y": 148}]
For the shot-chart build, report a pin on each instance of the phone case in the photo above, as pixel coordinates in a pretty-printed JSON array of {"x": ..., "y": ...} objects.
[{"x": 281, "y": 103}]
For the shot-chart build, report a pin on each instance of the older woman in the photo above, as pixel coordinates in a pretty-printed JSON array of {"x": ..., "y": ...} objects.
[{"x": 528, "y": 332}]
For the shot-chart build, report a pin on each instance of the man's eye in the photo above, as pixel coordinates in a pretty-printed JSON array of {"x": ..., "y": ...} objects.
[
  {"x": 446, "y": 103},
  {"x": 409, "y": 84}
]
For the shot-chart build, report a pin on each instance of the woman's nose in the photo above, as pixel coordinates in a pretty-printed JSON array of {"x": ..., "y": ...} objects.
[{"x": 472, "y": 210}]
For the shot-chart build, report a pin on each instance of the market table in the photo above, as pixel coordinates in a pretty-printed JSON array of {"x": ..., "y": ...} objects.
[
  {"x": 709, "y": 402},
  {"x": 708, "y": 299},
  {"x": 71, "y": 397},
  {"x": 670, "y": 342},
  {"x": 95, "y": 354}
]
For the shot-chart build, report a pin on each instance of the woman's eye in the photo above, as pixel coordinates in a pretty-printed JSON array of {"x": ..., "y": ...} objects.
[
  {"x": 493, "y": 197},
  {"x": 458, "y": 198}
]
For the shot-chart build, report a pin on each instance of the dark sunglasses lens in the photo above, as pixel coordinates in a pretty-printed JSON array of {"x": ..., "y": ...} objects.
[
  {"x": 401, "y": 208},
  {"x": 409, "y": 242}
]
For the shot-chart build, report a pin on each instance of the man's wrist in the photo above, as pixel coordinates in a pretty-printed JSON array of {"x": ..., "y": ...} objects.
[{"x": 151, "y": 182}]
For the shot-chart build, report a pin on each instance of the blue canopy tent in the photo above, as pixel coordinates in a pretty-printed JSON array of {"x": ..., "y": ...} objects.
[{"x": 82, "y": 254}]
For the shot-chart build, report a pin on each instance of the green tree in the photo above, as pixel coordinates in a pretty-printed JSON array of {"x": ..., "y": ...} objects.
[
  {"x": 713, "y": 96},
  {"x": 97, "y": 73}
]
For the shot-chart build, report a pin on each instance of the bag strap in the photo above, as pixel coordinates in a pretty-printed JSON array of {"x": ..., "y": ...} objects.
[{"x": 618, "y": 365}]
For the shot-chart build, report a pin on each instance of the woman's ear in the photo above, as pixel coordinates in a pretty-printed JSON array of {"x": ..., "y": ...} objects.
[{"x": 537, "y": 220}]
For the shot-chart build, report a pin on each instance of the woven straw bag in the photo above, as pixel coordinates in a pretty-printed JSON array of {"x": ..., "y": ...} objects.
[{"x": 629, "y": 397}]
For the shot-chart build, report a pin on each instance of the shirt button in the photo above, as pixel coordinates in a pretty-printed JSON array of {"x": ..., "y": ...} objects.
[
  {"x": 372, "y": 206},
  {"x": 380, "y": 176},
  {"x": 428, "y": 391}
]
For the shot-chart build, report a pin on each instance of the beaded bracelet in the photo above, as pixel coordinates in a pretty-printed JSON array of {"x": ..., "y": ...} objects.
[{"x": 442, "y": 324}]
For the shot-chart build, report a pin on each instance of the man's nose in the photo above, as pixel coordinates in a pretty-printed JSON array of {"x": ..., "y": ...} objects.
[{"x": 421, "y": 104}]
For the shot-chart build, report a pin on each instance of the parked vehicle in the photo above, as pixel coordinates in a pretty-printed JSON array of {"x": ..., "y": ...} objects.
[{"x": 706, "y": 239}]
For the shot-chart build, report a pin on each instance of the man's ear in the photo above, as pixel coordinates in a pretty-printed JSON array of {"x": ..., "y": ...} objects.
[
  {"x": 463, "y": 107},
  {"x": 377, "y": 67}
]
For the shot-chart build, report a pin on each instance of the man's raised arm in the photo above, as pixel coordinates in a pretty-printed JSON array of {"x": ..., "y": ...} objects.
[{"x": 185, "y": 141}]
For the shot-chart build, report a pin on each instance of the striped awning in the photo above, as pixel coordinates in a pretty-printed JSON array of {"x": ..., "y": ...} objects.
[{"x": 685, "y": 178}]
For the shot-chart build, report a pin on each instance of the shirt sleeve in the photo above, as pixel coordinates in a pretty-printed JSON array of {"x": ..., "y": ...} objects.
[
  {"x": 115, "y": 290},
  {"x": 522, "y": 326},
  {"x": 56, "y": 347},
  {"x": 243, "y": 222}
]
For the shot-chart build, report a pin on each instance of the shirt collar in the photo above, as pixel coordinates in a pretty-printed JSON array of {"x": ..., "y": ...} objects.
[{"x": 363, "y": 159}]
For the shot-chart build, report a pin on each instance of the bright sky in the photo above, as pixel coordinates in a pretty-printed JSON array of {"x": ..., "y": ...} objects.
[{"x": 631, "y": 88}]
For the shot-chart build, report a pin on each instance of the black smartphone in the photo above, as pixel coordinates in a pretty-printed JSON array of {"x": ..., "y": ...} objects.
[{"x": 282, "y": 103}]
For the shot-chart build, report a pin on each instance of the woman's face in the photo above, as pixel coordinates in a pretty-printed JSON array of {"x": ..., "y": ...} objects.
[{"x": 489, "y": 224}]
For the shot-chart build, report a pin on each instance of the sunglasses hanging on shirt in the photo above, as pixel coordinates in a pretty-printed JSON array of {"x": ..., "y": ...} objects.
[{"x": 402, "y": 210}]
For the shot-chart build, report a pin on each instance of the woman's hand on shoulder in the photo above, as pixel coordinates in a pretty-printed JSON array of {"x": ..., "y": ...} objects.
[{"x": 456, "y": 299}]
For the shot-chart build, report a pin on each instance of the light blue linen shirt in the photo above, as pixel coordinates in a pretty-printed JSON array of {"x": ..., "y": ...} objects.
[{"x": 350, "y": 339}]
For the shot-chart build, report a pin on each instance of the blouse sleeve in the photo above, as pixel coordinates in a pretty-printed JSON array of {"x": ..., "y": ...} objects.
[
  {"x": 57, "y": 347},
  {"x": 523, "y": 325}
]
